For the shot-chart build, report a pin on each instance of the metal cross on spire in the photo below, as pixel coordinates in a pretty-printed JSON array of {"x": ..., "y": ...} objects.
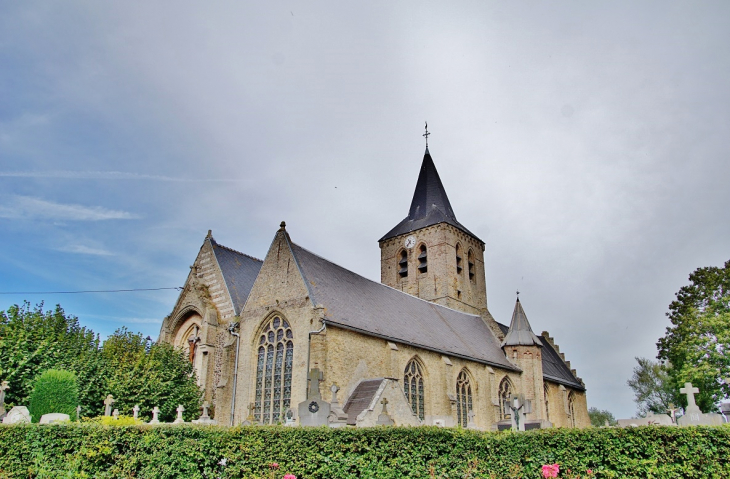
[{"x": 426, "y": 134}]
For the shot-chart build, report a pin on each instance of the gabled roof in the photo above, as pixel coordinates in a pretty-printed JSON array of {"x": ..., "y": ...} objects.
[
  {"x": 361, "y": 398},
  {"x": 520, "y": 333},
  {"x": 429, "y": 206},
  {"x": 553, "y": 367},
  {"x": 359, "y": 304},
  {"x": 239, "y": 272}
]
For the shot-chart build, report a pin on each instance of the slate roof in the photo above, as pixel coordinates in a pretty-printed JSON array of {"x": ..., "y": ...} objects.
[
  {"x": 520, "y": 333},
  {"x": 553, "y": 367},
  {"x": 361, "y": 398},
  {"x": 429, "y": 206},
  {"x": 359, "y": 304},
  {"x": 239, "y": 272}
]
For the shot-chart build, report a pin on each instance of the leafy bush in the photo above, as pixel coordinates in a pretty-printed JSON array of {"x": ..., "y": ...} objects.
[
  {"x": 89, "y": 450},
  {"x": 54, "y": 391}
]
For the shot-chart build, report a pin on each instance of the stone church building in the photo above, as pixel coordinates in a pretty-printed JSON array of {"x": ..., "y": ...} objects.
[{"x": 297, "y": 339}]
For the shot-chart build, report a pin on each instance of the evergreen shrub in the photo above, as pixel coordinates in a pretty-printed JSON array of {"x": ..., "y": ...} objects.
[
  {"x": 197, "y": 452},
  {"x": 54, "y": 391}
]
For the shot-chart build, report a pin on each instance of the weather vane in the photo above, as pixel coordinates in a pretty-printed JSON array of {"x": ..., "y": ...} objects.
[
  {"x": 426, "y": 134},
  {"x": 518, "y": 294}
]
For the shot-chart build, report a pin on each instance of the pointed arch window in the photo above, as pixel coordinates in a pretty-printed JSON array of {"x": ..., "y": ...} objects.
[
  {"x": 505, "y": 396},
  {"x": 459, "y": 262},
  {"x": 472, "y": 267},
  {"x": 275, "y": 357},
  {"x": 463, "y": 398},
  {"x": 413, "y": 387},
  {"x": 571, "y": 408},
  {"x": 423, "y": 259},
  {"x": 403, "y": 264}
]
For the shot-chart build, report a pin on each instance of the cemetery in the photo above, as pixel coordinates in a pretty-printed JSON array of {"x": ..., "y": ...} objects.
[{"x": 694, "y": 445}]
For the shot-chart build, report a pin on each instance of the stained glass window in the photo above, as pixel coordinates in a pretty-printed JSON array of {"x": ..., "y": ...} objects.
[
  {"x": 463, "y": 398},
  {"x": 413, "y": 387},
  {"x": 505, "y": 396},
  {"x": 274, "y": 371}
]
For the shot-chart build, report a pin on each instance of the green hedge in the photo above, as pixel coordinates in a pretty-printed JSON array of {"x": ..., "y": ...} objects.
[
  {"x": 54, "y": 391},
  {"x": 89, "y": 450}
]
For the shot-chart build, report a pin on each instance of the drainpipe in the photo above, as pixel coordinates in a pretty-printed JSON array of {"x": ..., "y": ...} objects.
[{"x": 231, "y": 329}]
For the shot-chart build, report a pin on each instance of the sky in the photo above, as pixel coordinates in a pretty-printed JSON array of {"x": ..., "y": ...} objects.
[{"x": 586, "y": 143}]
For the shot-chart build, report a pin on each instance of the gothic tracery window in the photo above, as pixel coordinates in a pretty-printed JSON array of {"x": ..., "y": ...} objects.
[
  {"x": 275, "y": 356},
  {"x": 413, "y": 387},
  {"x": 505, "y": 396},
  {"x": 571, "y": 408},
  {"x": 463, "y": 398}
]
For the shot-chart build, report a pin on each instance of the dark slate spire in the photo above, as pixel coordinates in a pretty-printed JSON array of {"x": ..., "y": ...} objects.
[
  {"x": 430, "y": 205},
  {"x": 520, "y": 333}
]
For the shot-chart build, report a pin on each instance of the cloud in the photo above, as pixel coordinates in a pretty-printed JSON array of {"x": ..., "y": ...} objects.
[
  {"x": 28, "y": 207},
  {"x": 106, "y": 175},
  {"x": 81, "y": 249}
]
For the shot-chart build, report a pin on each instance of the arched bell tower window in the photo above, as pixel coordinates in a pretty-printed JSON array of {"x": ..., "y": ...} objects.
[
  {"x": 472, "y": 267},
  {"x": 571, "y": 408},
  {"x": 463, "y": 398},
  {"x": 403, "y": 264},
  {"x": 505, "y": 396},
  {"x": 459, "y": 262},
  {"x": 413, "y": 387},
  {"x": 423, "y": 259},
  {"x": 273, "y": 371}
]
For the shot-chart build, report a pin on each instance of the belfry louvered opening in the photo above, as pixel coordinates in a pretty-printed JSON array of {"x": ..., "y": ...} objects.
[
  {"x": 423, "y": 259},
  {"x": 403, "y": 264}
]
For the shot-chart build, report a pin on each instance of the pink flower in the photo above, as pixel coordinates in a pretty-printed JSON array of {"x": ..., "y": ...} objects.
[
  {"x": 274, "y": 465},
  {"x": 290, "y": 476},
  {"x": 589, "y": 471},
  {"x": 550, "y": 470}
]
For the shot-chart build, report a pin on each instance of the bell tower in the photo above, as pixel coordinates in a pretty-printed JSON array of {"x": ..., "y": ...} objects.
[{"x": 430, "y": 254}]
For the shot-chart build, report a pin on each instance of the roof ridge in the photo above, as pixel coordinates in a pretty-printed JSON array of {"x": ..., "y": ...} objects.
[
  {"x": 385, "y": 285},
  {"x": 212, "y": 240}
]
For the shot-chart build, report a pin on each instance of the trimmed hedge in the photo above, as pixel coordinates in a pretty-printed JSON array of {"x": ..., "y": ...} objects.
[
  {"x": 90, "y": 450},
  {"x": 54, "y": 391}
]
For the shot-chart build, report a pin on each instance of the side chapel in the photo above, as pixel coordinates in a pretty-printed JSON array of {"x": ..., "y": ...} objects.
[{"x": 295, "y": 336}]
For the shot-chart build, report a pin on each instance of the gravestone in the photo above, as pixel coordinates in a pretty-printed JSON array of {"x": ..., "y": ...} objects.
[
  {"x": 337, "y": 417},
  {"x": 17, "y": 415},
  {"x": 470, "y": 424},
  {"x": 250, "y": 421},
  {"x": 692, "y": 415},
  {"x": 135, "y": 411},
  {"x": 115, "y": 414},
  {"x": 314, "y": 411},
  {"x": 78, "y": 413},
  {"x": 50, "y": 418},
  {"x": 108, "y": 405},
  {"x": 204, "y": 417},
  {"x": 155, "y": 414},
  {"x": 179, "y": 419},
  {"x": 384, "y": 418},
  {"x": 651, "y": 419},
  {"x": 289, "y": 418},
  {"x": 3, "y": 387}
]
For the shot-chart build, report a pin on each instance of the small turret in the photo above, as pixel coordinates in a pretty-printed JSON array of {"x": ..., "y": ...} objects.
[{"x": 520, "y": 333}]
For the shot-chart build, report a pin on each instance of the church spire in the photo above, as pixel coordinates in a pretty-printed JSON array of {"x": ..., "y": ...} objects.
[
  {"x": 520, "y": 333},
  {"x": 430, "y": 204}
]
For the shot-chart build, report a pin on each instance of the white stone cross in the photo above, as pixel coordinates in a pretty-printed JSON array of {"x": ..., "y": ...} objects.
[
  {"x": 155, "y": 413},
  {"x": 108, "y": 405},
  {"x": 690, "y": 392},
  {"x": 179, "y": 419},
  {"x": 333, "y": 390},
  {"x": 205, "y": 410},
  {"x": 471, "y": 415},
  {"x": 115, "y": 414},
  {"x": 135, "y": 411}
]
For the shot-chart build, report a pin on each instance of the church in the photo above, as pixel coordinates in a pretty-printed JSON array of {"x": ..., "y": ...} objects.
[{"x": 296, "y": 339}]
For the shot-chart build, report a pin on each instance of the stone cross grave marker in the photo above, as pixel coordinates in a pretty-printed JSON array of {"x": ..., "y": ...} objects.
[
  {"x": 155, "y": 413},
  {"x": 690, "y": 392},
  {"x": 333, "y": 390},
  {"x": 672, "y": 411},
  {"x": 78, "y": 413},
  {"x": 471, "y": 416},
  {"x": 384, "y": 418},
  {"x": 205, "y": 410},
  {"x": 3, "y": 387},
  {"x": 108, "y": 405},
  {"x": 115, "y": 414},
  {"x": 179, "y": 419},
  {"x": 135, "y": 411},
  {"x": 315, "y": 376}
]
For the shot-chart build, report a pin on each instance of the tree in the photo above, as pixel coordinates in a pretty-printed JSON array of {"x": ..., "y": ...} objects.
[
  {"x": 599, "y": 417},
  {"x": 150, "y": 375},
  {"x": 697, "y": 345},
  {"x": 33, "y": 340},
  {"x": 653, "y": 388}
]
